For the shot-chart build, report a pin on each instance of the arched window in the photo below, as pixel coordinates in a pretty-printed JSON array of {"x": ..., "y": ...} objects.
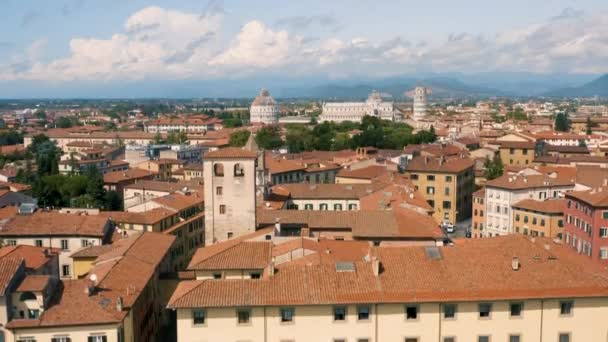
[
  {"x": 239, "y": 170},
  {"x": 218, "y": 170},
  {"x": 323, "y": 206},
  {"x": 27, "y": 296}
]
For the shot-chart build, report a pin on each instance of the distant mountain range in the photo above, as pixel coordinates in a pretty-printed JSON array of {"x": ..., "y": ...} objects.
[
  {"x": 443, "y": 85},
  {"x": 597, "y": 87},
  {"x": 396, "y": 88},
  {"x": 462, "y": 86}
]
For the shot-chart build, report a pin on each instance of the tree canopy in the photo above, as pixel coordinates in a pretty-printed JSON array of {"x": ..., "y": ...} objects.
[
  {"x": 239, "y": 138},
  {"x": 562, "y": 123},
  {"x": 493, "y": 168},
  {"x": 269, "y": 138}
]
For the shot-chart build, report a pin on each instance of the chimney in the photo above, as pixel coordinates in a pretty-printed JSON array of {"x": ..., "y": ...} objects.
[
  {"x": 547, "y": 246},
  {"x": 605, "y": 181},
  {"x": 376, "y": 266},
  {"x": 515, "y": 264},
  {"x": 91, "y": 285},
  {"x": 119, "y": 304},
  {"x": 271, "y": 269},
  {"x": 277, "y": 226}
]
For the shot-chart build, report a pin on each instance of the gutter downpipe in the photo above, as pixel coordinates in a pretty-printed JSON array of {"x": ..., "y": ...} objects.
[
  {"x": 265, "y": 327},
  {"x": 439, "y": 332},
  {"x": 542, "y": 308},
  {"x": 376, "y": 323}
]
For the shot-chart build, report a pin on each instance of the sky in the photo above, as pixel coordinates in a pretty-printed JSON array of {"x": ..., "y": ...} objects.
[{"x": 67, "y": 42}]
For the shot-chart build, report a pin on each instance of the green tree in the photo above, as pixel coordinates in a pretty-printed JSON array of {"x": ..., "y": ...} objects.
[
  {"x": 493, "y": 168},
  {"x": 158, "y": 139},
  {"x": 562, "y": 123},
  {"x": 47, "y": 158},
  {"x": 11, "y": 137},
  {"x": 299, "y": 138},
  {"x": 269, "y": 138},
  {"x": 113, "y": 201},
  {"x": 239, "y": 138},
  {"x": 64, "y": 122},
  {"x": 341, "y": 141},
  {"x": 582, "y": 143},
  {"x": 589, "y": 126},
  {"x": 95, "y": 185},
  {"x": 177, "y": 138}
]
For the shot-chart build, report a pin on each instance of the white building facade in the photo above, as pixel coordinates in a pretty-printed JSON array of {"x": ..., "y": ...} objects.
[
  {"x": 264, "y": 109},
  {"x": 355, "y": 111}
]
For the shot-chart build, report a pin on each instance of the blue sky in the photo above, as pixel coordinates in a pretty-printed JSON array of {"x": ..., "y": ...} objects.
[{"x": 65, "y": 41}]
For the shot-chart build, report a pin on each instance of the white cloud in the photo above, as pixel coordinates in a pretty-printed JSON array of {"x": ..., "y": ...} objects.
[
  {"x": 153, "y": 39},
  {"x": 258, "y": 46},
  {"x": 161, "y": 43}
]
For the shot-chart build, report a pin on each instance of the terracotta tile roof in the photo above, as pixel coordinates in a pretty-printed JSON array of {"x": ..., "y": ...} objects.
[
  {"x": 34, "y": 257},
  {"x": 480, "y": 193},
  {"x": 567, "y": 149},
  {"x": 517, "y": 144},
  {"x": 8, "y": 268},
  {"x": 397, "y": 224},
  {"x": 243, "y": 255},
  {"x": 597, "y": 197},
  {"x": 439, "y": 150},
  {"x": 8, "y": 212},
  {"x": 550, "y": 206},
  {"x": 573, "y": 159},
  {"x": 127, "y": 175},
  {"x": 72, "y": 306},
  {"x": 369, "y": 172},
  {"x": 276, "y": 166},
  {"x": 394, "y": 196},
  {"x": 169, "y": 187},
  {"x": 411, "y": 275},
  {"x": 230, "y": 152},
  {"x": 122, "y": 272},
  {"x": 92, "y": 251},
  {"x": 592, "y": 176},
  {"x": 8, "y": 149},
  {"x": 34, "y": 283},
  {"x": 209, "y": 251},
  {"x": 151, "y": 216},
  {"x": 55, "y": 224},
  {"x": 520, "y": 182},
  {"x": 327, "y": 191},
  {"x": 178, "y": 201},
  {"x": 444, "y": 165}
]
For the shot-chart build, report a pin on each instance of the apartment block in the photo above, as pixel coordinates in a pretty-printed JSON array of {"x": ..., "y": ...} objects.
[
  {"x": 586, "y": 223},
  {"x": 539, "y": 218},
  {"x": 536, "y": 293},
  {"x": 517, "y": 153},
  {"x": 478, "y": 219},
  {"x": 503, "y": 192},
  {"x": 447, "y": 184}
]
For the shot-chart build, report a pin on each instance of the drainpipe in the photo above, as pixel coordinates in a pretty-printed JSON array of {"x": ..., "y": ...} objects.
[
  {"x": 265, "y": 327},
  {"x": 376, "y": 323},
  {"x": 439, "y": 335},
  {"x": 542, "y": 302}
]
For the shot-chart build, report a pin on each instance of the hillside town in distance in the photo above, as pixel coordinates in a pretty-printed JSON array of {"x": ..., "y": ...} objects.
[{"x": 424, "y": 219}]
